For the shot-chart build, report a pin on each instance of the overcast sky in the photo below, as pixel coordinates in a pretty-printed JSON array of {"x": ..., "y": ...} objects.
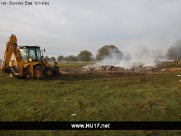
[{"x": 66, "y": 27}]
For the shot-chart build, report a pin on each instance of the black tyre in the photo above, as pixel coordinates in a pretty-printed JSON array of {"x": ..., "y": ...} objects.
[
  {"x": 7, "y": 70},
  {"x": 56, "y": 72},
  {"x": 48, "y": 72},
  {"x": 38, "y": 72}
]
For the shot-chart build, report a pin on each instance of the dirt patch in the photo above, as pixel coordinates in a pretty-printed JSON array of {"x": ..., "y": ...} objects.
[{"x": 174, "y": 69}]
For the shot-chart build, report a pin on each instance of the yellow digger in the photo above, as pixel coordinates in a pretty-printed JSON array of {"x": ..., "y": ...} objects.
[{"x": 29, "y": 61}]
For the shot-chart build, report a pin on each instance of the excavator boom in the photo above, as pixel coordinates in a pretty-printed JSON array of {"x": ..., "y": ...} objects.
[{"x": 12, "y": 47}]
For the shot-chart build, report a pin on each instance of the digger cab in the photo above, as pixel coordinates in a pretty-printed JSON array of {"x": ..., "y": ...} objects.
[
  {"x": 33, "y": 52},
  {"x": 33, "y": 61}
]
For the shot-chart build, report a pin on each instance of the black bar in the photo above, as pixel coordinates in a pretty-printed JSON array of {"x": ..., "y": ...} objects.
[{"x": 90, "y": 125}]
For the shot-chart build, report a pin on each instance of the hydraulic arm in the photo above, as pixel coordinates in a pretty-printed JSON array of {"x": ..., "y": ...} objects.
[{"x": 12, "y": 47}]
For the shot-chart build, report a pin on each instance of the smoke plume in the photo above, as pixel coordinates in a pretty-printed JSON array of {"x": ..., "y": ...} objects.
[{"x": 138, "y": 57}]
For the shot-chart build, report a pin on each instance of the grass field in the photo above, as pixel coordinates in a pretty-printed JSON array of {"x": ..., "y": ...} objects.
[{"x": 92, "y": 97}]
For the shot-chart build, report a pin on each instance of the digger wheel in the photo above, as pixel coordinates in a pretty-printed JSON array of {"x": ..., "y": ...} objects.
[
  {"x": 57, "y": 73},
  {"x": 48, "y": 72},
  {"x": 38, "y": 72}
]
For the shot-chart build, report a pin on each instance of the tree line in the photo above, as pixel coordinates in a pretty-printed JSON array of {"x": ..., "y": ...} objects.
[
  {"x": 87, "y": 56},
  {"x": 173, "y": 53}
]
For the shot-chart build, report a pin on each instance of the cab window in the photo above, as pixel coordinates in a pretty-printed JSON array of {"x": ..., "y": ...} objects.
[{"x": 32, "y": 54}]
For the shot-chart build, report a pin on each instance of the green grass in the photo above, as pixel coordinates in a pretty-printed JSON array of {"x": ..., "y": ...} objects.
[
  {"x": 92, "y": 97},
  {"x": 72, "y": 64}
]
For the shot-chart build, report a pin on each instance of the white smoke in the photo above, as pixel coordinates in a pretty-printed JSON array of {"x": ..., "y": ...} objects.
[{"x": 139, "y": 57}]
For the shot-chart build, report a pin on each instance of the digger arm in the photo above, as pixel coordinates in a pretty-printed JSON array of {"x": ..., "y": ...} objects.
[
  {"x": 11, "y": 47},
  {"x": 45, "y": 64}
]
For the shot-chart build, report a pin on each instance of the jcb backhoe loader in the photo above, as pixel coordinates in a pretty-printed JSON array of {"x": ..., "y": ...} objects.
[{"x": 28, "y": 60}]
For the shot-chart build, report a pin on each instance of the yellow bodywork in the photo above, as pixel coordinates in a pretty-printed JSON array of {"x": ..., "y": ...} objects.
[
  {"x": 44, "y": 63},
  {"x": 31, "y": 64},
  {"x": 11, "y": 47},
  {"x": 22, "y": 68}
]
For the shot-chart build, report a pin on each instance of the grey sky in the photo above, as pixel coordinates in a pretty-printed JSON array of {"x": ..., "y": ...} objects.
[{"x": 66, "y": 27}]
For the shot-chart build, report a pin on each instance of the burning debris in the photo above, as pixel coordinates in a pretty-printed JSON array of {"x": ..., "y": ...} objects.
[
  {"x": 115, "y": 70},
  {"x": 111, "y": 68}
]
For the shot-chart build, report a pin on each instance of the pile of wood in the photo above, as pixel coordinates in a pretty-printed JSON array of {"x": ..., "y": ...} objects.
[
  {"x": 121, "y": 69},
  {"x": 109, "y": 69}
]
